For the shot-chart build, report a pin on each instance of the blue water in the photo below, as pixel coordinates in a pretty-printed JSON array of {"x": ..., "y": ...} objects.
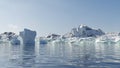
[{"x": 60, "y": 55}]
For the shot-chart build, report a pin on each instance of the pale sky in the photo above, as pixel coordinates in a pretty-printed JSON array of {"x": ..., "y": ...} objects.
[{"x": 59, "y": 16}]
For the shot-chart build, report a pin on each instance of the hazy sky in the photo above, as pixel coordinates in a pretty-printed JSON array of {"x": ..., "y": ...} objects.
[{"x": 59, "y": 16}]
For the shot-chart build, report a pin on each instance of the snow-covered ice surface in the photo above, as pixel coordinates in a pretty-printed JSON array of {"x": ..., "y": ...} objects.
[{"x": 60, "y": 54}]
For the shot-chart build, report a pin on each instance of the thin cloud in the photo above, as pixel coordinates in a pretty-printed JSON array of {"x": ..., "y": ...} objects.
[{"x": 13, "y": 28}]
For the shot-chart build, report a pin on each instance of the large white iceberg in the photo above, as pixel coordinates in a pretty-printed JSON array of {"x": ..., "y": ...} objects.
[
  {"x": 84, "y": 31},
  {"x": 28, "y": 36}
]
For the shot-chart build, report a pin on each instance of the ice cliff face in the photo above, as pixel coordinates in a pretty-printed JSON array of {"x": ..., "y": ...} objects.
[
  {"x": 28, "y": 36},
  {"x": 84, "y": 31}
]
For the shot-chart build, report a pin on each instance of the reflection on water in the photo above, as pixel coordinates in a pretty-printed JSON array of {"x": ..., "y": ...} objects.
[
  {"x": 60, "y": 55},
  {"x": 28, "y": 56}
]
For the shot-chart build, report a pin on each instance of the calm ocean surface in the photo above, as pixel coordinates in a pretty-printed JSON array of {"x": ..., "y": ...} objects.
[{"x": 60, "y": 55}]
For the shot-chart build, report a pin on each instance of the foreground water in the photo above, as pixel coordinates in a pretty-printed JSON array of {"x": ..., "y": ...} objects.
[{"x": 60, "y": 55}]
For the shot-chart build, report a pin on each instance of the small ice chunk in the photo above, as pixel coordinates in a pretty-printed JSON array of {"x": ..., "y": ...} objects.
[{"x": 15, "y": 41}]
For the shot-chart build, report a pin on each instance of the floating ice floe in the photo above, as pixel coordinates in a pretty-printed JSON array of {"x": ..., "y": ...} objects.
[
  {"x": 60, "y": 40},
  {"x": 78, "y": 41},
  {"x": 108, "y": 38}
]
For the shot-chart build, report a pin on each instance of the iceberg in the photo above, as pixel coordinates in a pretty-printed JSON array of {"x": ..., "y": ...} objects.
[
  {"x": 78, "y": 41},
  {"x": 43, "y": 40},
  {"x": 108, "y": 38},
  {"x": 53, "y": 36},
  {"x": 28, "y": 36},
  {"x": 58, "y": 41},
  {"x": 84, "y": 31},
  {"x": 15, "y": 41},
  {"x": 6, "y": 37}
]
